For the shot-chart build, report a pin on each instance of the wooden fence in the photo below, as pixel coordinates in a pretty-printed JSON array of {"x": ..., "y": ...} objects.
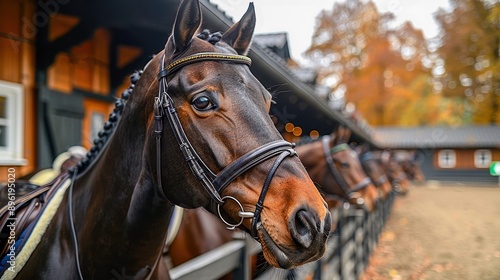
[{"x": 347, "y": 256}]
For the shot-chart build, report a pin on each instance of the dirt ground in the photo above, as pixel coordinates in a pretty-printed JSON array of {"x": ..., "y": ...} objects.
[{"x": 441, "y": 231}]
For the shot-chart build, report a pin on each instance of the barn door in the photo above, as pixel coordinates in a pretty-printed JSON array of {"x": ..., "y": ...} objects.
[{"x": 59, "y": 124}]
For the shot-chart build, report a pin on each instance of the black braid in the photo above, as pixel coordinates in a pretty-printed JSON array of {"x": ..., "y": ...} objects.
[
  {"x": 212, "y": 38},
  {"x": 109, "y": 126},
  {"x": 104, "y": 135}
]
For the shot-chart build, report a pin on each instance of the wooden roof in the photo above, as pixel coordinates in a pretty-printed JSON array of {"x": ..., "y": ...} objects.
[
  {"x": 438, "y": 137},
  {"x": 148, "y": 25}
]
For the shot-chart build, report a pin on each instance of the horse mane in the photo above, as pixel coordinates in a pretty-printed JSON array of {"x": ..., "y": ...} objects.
[{"x": 109, "y": 126}]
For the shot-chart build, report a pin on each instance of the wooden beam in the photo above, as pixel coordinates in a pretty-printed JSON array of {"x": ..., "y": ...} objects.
[
  {"x": 80, "y": 33},
  {"x": 117, "y": 75}
]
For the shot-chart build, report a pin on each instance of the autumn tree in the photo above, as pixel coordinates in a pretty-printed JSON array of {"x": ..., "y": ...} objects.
[
  {"x": 469, "y": 66},
  {"x": 382, "y": 70}
]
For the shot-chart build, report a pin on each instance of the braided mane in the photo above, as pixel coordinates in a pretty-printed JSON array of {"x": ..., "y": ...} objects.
[{"x": 109, "y": 126}]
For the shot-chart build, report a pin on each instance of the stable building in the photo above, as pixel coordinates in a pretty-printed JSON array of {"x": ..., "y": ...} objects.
[{"x": 461, "y": 154}]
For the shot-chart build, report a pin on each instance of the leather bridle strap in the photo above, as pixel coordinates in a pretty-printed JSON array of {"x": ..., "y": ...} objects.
[
  {"x": 213, "y": 184},
  {"x": 381, "y": 180},
  {"x": 265, "y": 187},
  {"x": 367, "y": 156},
  {"x": 199, "y": 57},
  {"x": 164, "y": 106},
  {"x": 331, "y": 164},
  {"x": 249, "y": 160},
  {"x": 349, "y": 191}
]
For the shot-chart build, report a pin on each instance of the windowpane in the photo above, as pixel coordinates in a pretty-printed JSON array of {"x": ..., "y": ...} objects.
[
  {"x": 11, "y": 120},
  {"x": 3, "y": 136},
  {"x": 3, "y": 107},
  {"x": 482, "y": 158},
  {"x": 446, "y": 159}
]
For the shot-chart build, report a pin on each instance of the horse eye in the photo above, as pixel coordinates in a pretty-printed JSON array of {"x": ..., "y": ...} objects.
[
  {"x": 202, "y": 103},
  {"x": 345, "y": 164}
]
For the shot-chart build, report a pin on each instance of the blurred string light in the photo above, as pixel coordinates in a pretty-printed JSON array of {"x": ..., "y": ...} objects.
[
  {"x": 314, "y": 134},
  {"x": 297, "y": 131}
]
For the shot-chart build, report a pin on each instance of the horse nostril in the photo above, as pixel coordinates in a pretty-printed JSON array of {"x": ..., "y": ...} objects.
[{"x": 304, "y": 228}]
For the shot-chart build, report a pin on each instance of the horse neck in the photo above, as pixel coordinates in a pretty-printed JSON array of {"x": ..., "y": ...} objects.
[
  {"x": 119, "y": 187},
  {"x": 371, "y": 169},
  {"x": 313, "y": 158}
]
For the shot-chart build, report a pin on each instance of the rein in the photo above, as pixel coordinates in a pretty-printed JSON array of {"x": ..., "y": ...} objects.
[
  {"x": 213, "y": 183},
  {"x": 350, "y": 192}
]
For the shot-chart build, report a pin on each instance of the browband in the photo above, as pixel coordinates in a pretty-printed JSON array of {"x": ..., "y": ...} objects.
[{"x": 204, "y": 56}]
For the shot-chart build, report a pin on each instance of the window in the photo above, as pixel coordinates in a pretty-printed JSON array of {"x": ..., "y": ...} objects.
[
  {"x": 11, "y": 124},
  {"x": 446, "y": 158},
  {"x": 482, "y": 158}
]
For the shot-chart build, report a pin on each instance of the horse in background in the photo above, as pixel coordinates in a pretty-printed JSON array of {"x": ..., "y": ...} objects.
[
  {"x": 336, "y": 168},
  {"x": 195, "y": 237},
  {"x": 374, "y": 170},
  {"x": 172, "y": 139},
  {"x": 410, "y": 165},
  {"x": 393, "y": 170}
]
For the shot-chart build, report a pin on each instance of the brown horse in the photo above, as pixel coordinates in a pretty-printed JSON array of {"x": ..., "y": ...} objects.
[
  {"x": 178, "y": 140},
  {"x": 393, "y": 170},
  {"x": 374, "y": 170},
  {"x": 411, "y": 168},
  {"x": 335, "y": 166},
  {"x": 199, "y": 233}
]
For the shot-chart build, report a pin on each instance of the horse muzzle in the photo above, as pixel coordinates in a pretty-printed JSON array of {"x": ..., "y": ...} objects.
[{"x": 309, "y": 234}]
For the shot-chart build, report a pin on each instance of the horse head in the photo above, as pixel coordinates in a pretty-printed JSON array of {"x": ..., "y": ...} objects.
[
  {"x": 374, "y": 170},
  {"x": 193, "y": 129},
  {"x": 394, "y": 171},
  {"x": 335, "y": 166},
  {"x": 211, "y": 142}
]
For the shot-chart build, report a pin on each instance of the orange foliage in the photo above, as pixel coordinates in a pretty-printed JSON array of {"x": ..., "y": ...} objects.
[{"x": 391, "y": 75}]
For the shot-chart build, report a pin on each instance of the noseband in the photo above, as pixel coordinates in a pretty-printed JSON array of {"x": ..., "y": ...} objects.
[
  {"x": 351, "y": 193},
  {"x": 366, "y": 157},
  {"x": 213, "y": 183}
]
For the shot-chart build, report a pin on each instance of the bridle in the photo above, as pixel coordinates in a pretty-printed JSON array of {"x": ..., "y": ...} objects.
[
  {"x": 213, "y": 183},
  {"x": 351, "y": 193},
  {"x": 368, "y": 156}
]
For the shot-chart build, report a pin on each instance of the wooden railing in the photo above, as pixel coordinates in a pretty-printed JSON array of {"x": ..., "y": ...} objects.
[{"x": 347, "y": 256}]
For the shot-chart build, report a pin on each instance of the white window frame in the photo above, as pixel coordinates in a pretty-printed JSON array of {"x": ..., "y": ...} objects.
[
  {"x": 477, "y": 163},
  {"x": 12, "y": 154},
  {"x": 452, "y": 160}
]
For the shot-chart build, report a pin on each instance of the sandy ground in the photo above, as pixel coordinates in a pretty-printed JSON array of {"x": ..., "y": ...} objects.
[{"x": 441, "y": 231}]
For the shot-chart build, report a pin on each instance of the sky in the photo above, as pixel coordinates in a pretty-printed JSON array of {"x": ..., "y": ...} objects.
[{"x": 298, "y": 17}]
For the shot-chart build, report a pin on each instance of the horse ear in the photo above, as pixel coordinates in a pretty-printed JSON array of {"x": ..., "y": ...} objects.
[
  {"x": 339, "y": 134},
  {"x": 347, "y": 135},
  {"x": 239, "y": 36},
  {"x": 333, "y": 138},
  {"x": 187, "y": 22}
]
